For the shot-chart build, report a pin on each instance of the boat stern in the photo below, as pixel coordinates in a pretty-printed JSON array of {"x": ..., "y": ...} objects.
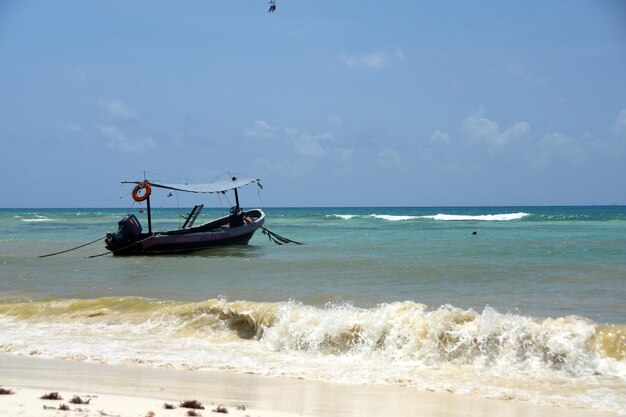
[{"x": 128, "y": 232}]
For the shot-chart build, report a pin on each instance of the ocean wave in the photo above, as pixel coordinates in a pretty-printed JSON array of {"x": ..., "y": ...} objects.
[
  {"x": 479, "y": 217},
  {"x": 447, "y": 348},
  {"x": 393, "y": 218},
  {"x": 440, "y": 216},
  {"x": 447, "y": 333},
  {"x": 388, "y": 217},
  {"x": 343, "y": 216},
  {"x": 37, "y": 219}
]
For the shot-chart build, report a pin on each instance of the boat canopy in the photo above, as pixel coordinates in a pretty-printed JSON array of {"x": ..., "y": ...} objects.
[{"x": 216, "y": 186}]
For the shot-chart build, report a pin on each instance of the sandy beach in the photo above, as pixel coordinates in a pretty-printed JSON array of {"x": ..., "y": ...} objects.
[{"x": 143, "y": 391}]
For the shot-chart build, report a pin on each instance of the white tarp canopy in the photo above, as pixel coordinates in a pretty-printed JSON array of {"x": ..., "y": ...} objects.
[{"x": 216, "y": 186}]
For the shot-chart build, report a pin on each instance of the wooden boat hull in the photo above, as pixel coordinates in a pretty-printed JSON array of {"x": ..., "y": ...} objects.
[{"x": 228, "y": 230}]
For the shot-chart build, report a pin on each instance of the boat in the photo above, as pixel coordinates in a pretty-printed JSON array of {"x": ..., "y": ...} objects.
[{"x": 237, "y": 228}]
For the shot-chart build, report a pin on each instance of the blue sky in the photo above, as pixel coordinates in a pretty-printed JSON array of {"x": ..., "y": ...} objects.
[{"x": 330, "y": 103}]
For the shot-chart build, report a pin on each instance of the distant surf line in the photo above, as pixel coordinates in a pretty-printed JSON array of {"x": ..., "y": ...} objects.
[
  {"x": 440, "y": 217},
  {"x": 37, "y": 219}
]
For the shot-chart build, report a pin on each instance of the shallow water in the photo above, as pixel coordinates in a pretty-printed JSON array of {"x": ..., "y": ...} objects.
[{"x": 530, "y": 307}]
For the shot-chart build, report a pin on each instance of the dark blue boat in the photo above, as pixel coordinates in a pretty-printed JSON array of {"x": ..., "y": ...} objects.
[{"x": 235, "y": 229}]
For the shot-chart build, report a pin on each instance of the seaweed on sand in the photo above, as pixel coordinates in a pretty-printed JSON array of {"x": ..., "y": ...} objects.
[
  {"x": 77, "y": 400},
  {"x": 196, "y": 405},
  {"x": 51, "y": 396},
  {"x": 220, "y": 409}
]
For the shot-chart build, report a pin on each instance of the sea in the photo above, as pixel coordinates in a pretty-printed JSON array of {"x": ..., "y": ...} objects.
[{"x": 517, "y": 303}]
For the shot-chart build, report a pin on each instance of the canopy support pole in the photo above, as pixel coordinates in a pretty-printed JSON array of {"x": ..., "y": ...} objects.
[
  {"x": 236, "y": 199},
  {"x": 149, "y": 215}
]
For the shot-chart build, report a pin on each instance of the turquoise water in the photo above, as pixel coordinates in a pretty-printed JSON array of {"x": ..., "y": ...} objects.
[
  {"x": 530, "y": 307},
  {"x": 537, "y": 261}
]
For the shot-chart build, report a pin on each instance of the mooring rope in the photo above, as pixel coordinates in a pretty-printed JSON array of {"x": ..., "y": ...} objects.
[
  {"x": 69, "y": 250},
  {"x": 273, "y": 237},
  {"x": 278, "y": 239},
  {"x": 120, "y": 249}
]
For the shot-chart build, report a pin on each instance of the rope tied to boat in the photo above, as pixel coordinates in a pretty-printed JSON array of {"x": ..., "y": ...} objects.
[
  {"x": 121, "y": 249},
  {"x": 272, "y": 236},
  {"x": 278, "y": 239},
  {"x": 69, "y": 250}
]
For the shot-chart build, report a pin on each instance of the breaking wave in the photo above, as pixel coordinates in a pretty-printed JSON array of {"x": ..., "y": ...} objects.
[
  {"x": 441, "y": 216},
  {"x": 393, "y": 218},
  {"x": 490, "y": 354},
  {"x": 388, "y": 217},
  {"x": 374, "y": 216},
  {"x": 37, "y": 219},
  {"x": 481, "y": 217},
  {"x": 343, "y": 216}
]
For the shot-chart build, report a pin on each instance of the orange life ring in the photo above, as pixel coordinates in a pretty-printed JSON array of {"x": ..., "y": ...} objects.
[{"x": 142, "y": 186}]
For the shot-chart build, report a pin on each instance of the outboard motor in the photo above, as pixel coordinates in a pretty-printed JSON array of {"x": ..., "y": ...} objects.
[{"x": 128, "y": 232}]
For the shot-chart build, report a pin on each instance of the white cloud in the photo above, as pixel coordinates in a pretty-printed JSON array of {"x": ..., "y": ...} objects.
[
  {"x": 619, "y": 126},
  {"x": 307, "y": 144},
  {"x": 302, "y": 142},
  {"x": 344, "y": 153},
  {"x": 374, "y": 60},
  {"x": 440, "y": 139},
  {"x": 437, "y": 149},
  {"x": 390, "y": 158},
  {"x": 117, "y": 109},
  {"x": 483, "y": 130},
  {"x": 555, "y": 140},
  {"x": 556, "y": 145},
  {"x": 518, "y": 129},
  {"x": 119, "y": 142},
  {"x": 261, "y": 129}
]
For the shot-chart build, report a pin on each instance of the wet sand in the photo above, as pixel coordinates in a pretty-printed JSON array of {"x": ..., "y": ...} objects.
[{"x": 143, "y": 391}]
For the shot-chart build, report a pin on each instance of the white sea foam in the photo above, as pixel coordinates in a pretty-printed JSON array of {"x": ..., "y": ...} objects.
[
  {"x": 490, "y": 354},
  {"x": 387, "y": 217},
  {"x": 392, "y": 218},
  {"x": 440, "y": 216},
  {"x": 343, "y": 216},
  {"x": 37, "y": 219},
  {"x": 479, "y": 217}
]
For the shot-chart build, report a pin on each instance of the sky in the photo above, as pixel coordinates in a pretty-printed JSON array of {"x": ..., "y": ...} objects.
[{"x": 330, "y": 103}]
